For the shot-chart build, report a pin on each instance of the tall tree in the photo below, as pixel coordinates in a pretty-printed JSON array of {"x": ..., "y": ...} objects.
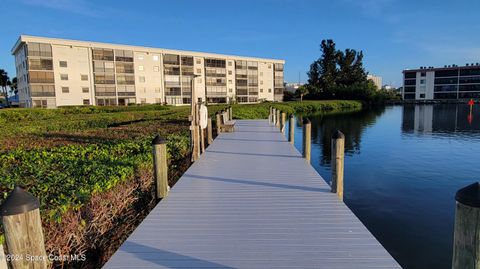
[
  {"x": 351, "y": 69},
  {"x": 314, "y": 74},
  {"x": 328, "y": 64},
  {"x": 4, "y": 82}
]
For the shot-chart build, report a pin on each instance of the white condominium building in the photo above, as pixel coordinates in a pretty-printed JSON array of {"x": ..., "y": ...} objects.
[{"x": 55, "y": 72}]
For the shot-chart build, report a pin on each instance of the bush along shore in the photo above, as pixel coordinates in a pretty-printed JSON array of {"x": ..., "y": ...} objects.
[{"x": 91, "y": 167}]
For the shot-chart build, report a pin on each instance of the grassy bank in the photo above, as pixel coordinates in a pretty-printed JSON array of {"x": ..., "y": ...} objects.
[{"x": 91, "y": 167}]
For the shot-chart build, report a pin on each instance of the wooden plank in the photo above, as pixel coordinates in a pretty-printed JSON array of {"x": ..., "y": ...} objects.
[{"x": 251, "y": 201}]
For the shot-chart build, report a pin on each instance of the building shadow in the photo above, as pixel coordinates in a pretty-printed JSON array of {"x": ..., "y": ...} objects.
[
  {"x": 254, "y": 154},
  {"x": 260, "y": 183},
  {"x": 167, "y": 259}
]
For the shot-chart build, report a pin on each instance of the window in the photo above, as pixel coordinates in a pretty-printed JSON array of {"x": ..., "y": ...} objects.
[
  {"x": 410, "y": 75},
  {"x": 229, "y": 63},
  {"x": 141, "y": 79},
  {"x": 64, "y": 76},
  {"x": 84, "y": 77},
  {"x": 229, "y": 72},
  {"x": 199, "y": 61},
  {"x": 229, "y": 81},
  {"x": 199, "y": 70},
  {"x": 156, "y": 68},
  {"x": 157, "y": 89},
  {"x": 423, "y": 74},
  {"x": 261, "y": 90},
  {"x": 269, "y": 66},
  {"x": 63, "y": 63},
  {"x": 65, "y": 90},
  {"x": 124, "y": 56},
  {"x": 261, "y": 73},
  {"x": 140, "y": 57},
  {"x": 140, "y": 67},
  {"x": 41, "y": 77},
  {"x": 422, "y": 81},
  {"x": 86, "y": 102},
  {"x": 269, "y": 90},
  {"x": 143, "y": 101},
  {"x": 85, "y": 89},
  {"x": 155, "y": 58},
  {"x": 40, "y": 64},
  {"x": 261, "y": 82},
  {"x": 230, "y": 90},
  {"x": 422, "y": 95},
  {"x": 103, "y": 54},
  {"x": 158, "y": 100}
]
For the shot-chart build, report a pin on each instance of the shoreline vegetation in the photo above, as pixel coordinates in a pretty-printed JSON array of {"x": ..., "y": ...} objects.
[{"x": 91, "y": 167}]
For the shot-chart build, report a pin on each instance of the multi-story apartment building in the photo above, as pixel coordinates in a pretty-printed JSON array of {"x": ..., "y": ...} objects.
[
  {"x": 376, "y": 80},
  {"x": 55, "y": 72},
  {"x": 449, "y": 82}
]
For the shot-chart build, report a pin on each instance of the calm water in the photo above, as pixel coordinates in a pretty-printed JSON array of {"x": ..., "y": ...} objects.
[{"x": 403, "y": 165}]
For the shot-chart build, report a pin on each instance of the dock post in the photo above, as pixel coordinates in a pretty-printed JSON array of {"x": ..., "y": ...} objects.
[
  {"x": 270, "y": 116},
  {"x": 337, "y": 160},
  {"x": 274, "y": 116},
  {"x": 282, "y": 123},
  {"x": 23, "y": 230},
  {"x": 218, "y": 123},
  {"x": 466, "y": 239},
  {"x": 160, "y": 168},
  {"x": 307, "y": 136},
  {"x": 291, "y": 137},
  {"x": 278, "y": 119},
  {"x": 209, "y": 131},
  {"x": 230, "y": 113}
]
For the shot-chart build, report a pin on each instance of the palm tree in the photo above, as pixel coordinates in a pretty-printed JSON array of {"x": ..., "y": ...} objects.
[
  {"x": 14, "y": 86},
  {"x": 4, "y": 82}
]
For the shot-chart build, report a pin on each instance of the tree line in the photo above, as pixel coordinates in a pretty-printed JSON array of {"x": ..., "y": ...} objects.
[
  {"x": 340, "y": 74},
  {"x": 6, "y": 83}
]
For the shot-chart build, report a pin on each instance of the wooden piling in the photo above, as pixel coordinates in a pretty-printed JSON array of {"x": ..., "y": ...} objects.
[
  {"x": 160, "y": 167},
  {"x": 270, "y": 116},
  {"x": 277, "y": 123},
  {"x": 209, "y": 131},
  {"x": 307, "y": 136},
  {"x": 466, "y": 234},
  {"x": 274, "y": 116},
  {"x": 282, "y": 123},
  {"x": 337, "y": 162},
  {"x": 23, "y": 230},
  {"x": 291, "y": 137},
  {"x": 230, "y": 113},
  {"x": 218, "y": 122}
]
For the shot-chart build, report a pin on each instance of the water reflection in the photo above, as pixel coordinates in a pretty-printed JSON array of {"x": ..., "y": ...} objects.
[
  {"x": 403, "y": 166},
  {"x": 351, "y": 124},
  {"x": 447, "y": 118}
]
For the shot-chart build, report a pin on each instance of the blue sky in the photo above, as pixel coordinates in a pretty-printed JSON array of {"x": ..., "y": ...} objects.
[{"x": 393, "y": 34}]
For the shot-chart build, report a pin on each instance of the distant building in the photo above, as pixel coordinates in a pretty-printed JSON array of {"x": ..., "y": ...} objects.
[
  {"x": 376, "y": 79},
  {"x": 388, "y": 87},
  {"x": 448, "y": 82},
  {"x": 292, "y": 87},
  {"x": 56, "y": 72}
]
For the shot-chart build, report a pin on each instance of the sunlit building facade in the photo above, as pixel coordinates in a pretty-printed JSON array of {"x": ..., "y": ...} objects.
[
  {"x": 57, "y": 72},
  {"x": 449, "y": 82}
]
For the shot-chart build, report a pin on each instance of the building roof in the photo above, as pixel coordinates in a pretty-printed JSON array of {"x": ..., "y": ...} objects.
[
  {"x": 69, "y": 42},
  {"x": 442, "y": 68}
]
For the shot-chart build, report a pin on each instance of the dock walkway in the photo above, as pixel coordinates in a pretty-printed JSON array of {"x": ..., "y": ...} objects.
[{"x": 251, "y": 201}]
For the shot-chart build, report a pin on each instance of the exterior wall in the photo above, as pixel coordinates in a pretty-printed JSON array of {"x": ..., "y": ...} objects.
[
  {"x": 150, "y": 79},
  {"x": 78, "y": 64},
  {"x": 376, "y": 80},
  {"x": 22, "y": 81},
  {"x": 265, "y": 76}
]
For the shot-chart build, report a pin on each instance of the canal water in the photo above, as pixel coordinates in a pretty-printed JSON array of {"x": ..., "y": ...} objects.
[{"x": 403, "y": 166}]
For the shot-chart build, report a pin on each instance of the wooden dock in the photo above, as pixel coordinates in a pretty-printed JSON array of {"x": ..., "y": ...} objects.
[{"x": 251, "y": 201}]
